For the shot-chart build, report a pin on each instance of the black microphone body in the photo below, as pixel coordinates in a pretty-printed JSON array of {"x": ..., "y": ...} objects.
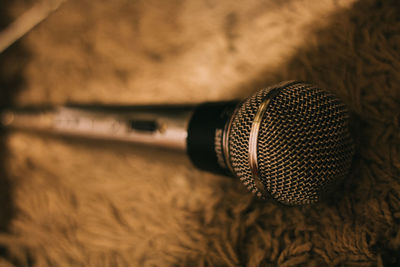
[{"x": 205, "y": 143}]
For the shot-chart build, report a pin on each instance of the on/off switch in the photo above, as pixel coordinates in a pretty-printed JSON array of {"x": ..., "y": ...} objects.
[{"x": 143, "y": 125}]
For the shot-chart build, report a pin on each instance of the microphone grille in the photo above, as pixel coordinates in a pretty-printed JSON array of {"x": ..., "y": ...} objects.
[{"x": 303, "y": 143}]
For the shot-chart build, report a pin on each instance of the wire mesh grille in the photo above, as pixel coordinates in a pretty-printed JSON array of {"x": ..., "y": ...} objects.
[{"x": 303, "y": 144}]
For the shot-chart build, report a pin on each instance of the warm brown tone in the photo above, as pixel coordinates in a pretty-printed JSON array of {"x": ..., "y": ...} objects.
[{"x": 70, "y": 203}]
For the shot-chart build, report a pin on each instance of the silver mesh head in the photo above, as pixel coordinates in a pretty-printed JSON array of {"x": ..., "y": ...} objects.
[{"x": 303, "y": 143}]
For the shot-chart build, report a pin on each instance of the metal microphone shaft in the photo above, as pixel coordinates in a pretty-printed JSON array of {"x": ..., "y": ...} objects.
[{"x": 161, "y": 126}]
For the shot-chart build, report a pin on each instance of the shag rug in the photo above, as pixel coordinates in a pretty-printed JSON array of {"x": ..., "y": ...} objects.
[{"x": 75, "y": 203}]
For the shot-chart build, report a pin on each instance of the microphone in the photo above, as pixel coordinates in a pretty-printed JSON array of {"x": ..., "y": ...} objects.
[{"x": 289, "y": 142}]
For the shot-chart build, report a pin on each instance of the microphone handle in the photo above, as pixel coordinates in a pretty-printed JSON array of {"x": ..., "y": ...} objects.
[
  {"x": 162, "y": 126},
  {"x": 197, "y": 130}
]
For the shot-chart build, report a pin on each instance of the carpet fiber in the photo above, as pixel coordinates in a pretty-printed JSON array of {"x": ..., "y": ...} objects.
[{"x": 66, "y": 202}]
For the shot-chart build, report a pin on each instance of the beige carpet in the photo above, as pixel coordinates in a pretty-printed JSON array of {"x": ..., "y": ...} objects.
[{"x": 76, "y": 203}]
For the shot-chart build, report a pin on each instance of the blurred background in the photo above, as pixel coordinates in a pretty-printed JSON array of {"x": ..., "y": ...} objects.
[{"x": 75, "y": 203}]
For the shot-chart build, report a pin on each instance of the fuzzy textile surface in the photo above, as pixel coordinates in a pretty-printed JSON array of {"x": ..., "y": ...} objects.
[{"x": 78, "y": 203}]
